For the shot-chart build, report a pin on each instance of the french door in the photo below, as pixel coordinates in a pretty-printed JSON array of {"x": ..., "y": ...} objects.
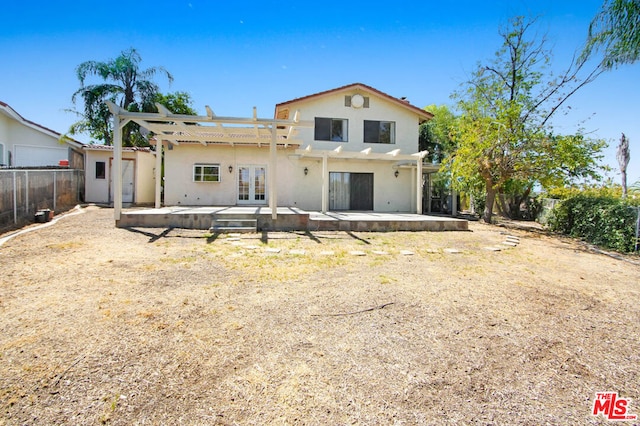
[{"x": 252, "y": 184}]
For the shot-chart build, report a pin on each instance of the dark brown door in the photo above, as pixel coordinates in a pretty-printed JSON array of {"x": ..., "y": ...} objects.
[{"x": 361, "y": 191}]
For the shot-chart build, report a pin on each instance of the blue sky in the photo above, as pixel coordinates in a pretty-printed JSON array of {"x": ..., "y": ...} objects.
[{"x": 233, "y": 56}]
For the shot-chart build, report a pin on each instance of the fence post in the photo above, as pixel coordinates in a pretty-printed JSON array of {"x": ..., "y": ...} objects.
[
  {"x": 26, "y": 188},
  {"x": 15, "y": 199},
  {"x": 55, "y": 195}
]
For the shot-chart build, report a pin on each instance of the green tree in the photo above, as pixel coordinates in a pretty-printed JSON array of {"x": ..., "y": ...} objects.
[
  {"x": 122, "y": 82},
  {"x": 437, "y": 135},
  {"x": 505, "y": 136},
  {"x": 615, "y": 32},
  {"x": 177, "y": 102}
]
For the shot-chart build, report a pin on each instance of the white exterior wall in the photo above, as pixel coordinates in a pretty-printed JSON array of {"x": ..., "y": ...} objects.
[
  {"x": 294, "y": 188},
  {"x": 29, "y": 147},
  {"x": 390, "y": 194},
  {"x": 4, "y": 140},
  {"x": 98, "y": 190},
  {"x": 380, "y": 109},
  {"x": 180, "y": 189},
  {"x": 144, "y": 178}
]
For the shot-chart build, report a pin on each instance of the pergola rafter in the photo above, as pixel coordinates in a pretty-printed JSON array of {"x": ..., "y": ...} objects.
[
  {"x": 207, "y": 130},
  {"x": 365, "y": 155}
]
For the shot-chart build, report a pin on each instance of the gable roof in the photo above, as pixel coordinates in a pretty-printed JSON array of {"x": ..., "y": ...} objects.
[
  {"x": 12, "y": 113},
  {"x": 423, "y": 114}
]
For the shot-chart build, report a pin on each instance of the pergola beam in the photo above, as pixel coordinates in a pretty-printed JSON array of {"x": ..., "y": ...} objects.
[{"x": 173, "y": 128}]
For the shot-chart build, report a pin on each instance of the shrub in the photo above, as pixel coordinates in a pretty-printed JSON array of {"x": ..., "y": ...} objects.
[{"x": 605, "y": 221}]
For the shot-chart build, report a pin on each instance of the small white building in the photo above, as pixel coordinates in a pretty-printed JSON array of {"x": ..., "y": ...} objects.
[
  {"x": 358, "y": 151},
  {"x": 138, "y": 175},
  {"x": 24, "y": 143}
]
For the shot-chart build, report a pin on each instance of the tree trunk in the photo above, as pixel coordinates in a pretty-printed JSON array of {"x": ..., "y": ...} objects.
[{"x": 488, "y": 207}]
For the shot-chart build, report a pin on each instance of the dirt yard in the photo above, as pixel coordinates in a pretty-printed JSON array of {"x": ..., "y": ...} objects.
[{"x": 100, "y": 325}]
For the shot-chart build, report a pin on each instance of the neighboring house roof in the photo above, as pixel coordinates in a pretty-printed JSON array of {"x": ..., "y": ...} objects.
[
  {"x": 282, "y": 111},
  {"x": 12, "y": 113}
]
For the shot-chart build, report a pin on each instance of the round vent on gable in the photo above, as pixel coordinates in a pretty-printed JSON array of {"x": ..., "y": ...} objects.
[{"x": 357, "y": 101}]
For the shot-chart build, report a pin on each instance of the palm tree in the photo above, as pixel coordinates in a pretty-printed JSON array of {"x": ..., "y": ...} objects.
[
  {"x": 615, "y": 31},
  {"x": 123, "y": 84},
  {"x": 623, "y": 156}
]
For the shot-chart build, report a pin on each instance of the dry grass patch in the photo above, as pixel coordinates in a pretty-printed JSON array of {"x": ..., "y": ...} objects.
[{"x": 163, "y": 327}]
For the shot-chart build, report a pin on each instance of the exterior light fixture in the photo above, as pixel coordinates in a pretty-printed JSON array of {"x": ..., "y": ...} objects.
[
  {"x": 396, "y": 173},
  {"x": 306, "y": 171},
  {"x": 230, "y": 169}
]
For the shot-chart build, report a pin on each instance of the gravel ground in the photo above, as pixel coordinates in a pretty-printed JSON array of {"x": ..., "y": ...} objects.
[{"x": 101, "y": 325}]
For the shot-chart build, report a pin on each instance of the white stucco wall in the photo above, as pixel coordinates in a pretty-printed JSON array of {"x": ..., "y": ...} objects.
[
  {"x": 391, "y": 194},
  {"x": 180, "y": 189},
  {"x": 98, "y": 190},
  {"x": 29, "y": 147},
  {"x": 380, "y": 109},
  {"x": 145, "y": 179},
  {"x": 294, "y": 189}
]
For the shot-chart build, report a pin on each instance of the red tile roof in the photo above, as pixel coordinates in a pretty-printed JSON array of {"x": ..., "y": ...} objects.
[{"x": 402, "y": 102}]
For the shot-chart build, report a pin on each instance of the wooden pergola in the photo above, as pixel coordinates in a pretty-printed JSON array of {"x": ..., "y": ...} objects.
[
  {"x": 207, "y": 130},
  {"x": 365, "y": 155}
]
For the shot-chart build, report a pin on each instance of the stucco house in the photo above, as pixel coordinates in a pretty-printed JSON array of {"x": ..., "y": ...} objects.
[
  {"x": 353, "y": 148},
  {"x": 138, "y": 175},
  {"x": 24, "y": 143}
]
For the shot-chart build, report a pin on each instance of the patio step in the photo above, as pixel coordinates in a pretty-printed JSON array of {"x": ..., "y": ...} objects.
[{"x": 236, "y": 224}]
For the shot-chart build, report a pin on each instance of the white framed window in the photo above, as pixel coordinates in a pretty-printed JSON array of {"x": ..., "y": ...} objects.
[
  {"x": 206, "y": 172},
  {"x": 379, "y": 131},
  {"x": 331, "y": 129}
]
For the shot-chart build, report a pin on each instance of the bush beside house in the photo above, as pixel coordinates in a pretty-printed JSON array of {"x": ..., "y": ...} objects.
[{"x": 608, "y": 222}]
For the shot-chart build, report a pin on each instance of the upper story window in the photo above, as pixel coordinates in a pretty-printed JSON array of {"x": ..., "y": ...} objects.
[
  {"x": 206, "y": 173},
  {"x": 379, "y": 131},
  {"x": 331, "y": 129}
]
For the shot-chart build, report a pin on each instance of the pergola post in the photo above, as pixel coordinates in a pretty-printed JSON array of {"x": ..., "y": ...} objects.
[
  {"x": 116, "y": 167},
  {"x": 419, "y": 185},
  {"x": 273, "y": 160},
  {"x": 158, "y": 173},
  {"x": 325, "y": 182}
]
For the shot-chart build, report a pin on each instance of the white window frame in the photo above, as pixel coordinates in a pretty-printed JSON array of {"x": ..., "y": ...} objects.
[{"x": 199, "y": 174}]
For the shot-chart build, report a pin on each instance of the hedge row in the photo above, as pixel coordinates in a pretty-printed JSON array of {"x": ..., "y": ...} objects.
[{"x": 605, "y": 221}]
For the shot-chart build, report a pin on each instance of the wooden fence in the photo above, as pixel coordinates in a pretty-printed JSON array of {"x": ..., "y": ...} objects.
[{"x": 25, "y": 191}]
